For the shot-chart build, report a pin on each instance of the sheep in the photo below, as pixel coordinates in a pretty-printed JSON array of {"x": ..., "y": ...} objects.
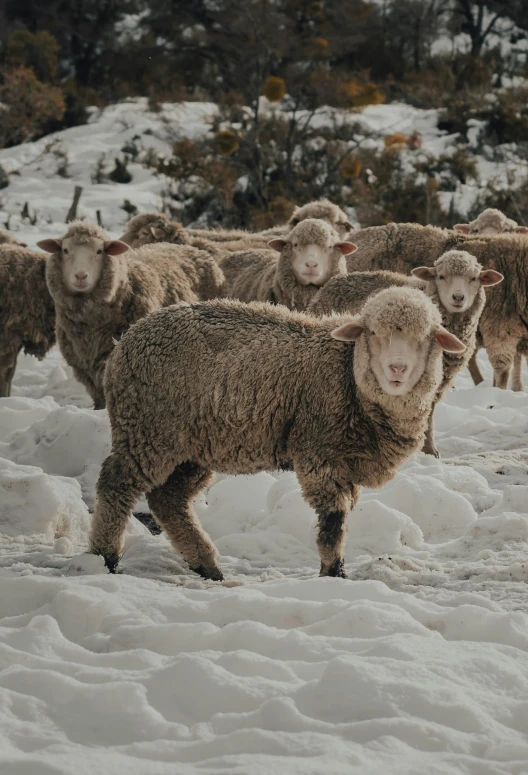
[
  {"x": 489, "y": 223},
  {"x": 27, "y": 314},
  {"x": 322, "y": 209},
  {"x": 6, "y": 238},
  {"x": 504, "y": 321},
  {"x": 148, "y": 228},
  {"x": 99, "y": 293},
  {"x": 455, "y": 284},
  {"x": 309, "y": 255},
  {"x": 240, "y": 388}
]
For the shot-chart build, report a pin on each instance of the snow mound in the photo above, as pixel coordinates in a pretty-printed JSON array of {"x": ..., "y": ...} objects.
[{"x": 35, "y": 503}]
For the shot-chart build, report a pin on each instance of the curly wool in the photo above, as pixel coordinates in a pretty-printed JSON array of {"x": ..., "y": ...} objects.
[
  {"x": 458, "y": 262},
  {"x": 129, "y": 288},
  {"x": 263, "y": 275},
  {"x": 27, "y": 314},
  {"x": 6, "y": 238},
  {"x": 323, "y": 210},
  {"x": 172, "y": 231},
  {"x": 504, "y": 320},
  {"x": 492, "y": 218},
  {"x": 239, "y": 389}
]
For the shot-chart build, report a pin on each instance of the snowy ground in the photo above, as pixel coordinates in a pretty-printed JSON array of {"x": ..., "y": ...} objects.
[
  {"x": 44, "y": 173},
  {"x": 418, "y": 663}
]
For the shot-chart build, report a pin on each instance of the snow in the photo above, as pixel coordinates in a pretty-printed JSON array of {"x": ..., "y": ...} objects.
[
  {"x": 35, "y": 176},
  {"x": 418, "y": 663}
]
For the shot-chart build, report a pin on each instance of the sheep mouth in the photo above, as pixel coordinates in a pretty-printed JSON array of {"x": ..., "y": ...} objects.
[{"x": 457, "y": 304}]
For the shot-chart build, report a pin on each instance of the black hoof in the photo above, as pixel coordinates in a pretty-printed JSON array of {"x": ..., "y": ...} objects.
[
  {"x": 213, "y": 574},
  {"x": 336, "y": 570},
  {"x": 111, "y": 562}
]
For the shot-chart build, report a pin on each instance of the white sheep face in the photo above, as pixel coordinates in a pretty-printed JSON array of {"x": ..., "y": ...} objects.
[
  {"x": 397, "y": 361},
  {"x": 311, "y": 264},
  {"x": 82, "y": 264},
  {"x": 457, "y": 292}
]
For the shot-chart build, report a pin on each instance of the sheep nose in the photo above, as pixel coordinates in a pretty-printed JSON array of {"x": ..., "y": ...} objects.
[
  {"x": 398, "y": 369},
  {"x": 312, "y": 264},
  {"x": 81, "y": 275},
  {"x": 458, "y": 297}
]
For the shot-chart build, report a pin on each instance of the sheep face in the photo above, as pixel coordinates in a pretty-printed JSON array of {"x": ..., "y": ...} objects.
[
  {"x": 82, "y": 262},
  {"x": 312, "y": 252},
  {"x": 458, "y": 278},
  {"x": 398, "y": 327}
]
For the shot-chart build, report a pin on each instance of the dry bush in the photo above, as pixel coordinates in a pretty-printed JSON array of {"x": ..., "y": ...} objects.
[
  {"x": 30, "y": 106},
  {"x": 274, "y": 89}
]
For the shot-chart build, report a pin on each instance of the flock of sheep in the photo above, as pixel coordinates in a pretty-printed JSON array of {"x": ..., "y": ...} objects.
[{"x": 294, "y": 348}]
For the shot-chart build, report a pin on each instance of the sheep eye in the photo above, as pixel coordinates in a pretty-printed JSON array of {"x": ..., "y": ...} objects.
[
  {"x": 398, "y": 328},
  {"x": 295, "y": 244},
  {"x": 441, "y": 277},
  {"x": 99, "y": 252},
  {"x": 65, "y": 251},
  {"x": 473, "y": 279}
]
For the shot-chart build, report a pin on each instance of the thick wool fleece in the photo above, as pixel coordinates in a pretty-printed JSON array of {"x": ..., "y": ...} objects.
[
  {"x": 493, "y": 219},
  {"x": 172, "y": 232},
  {"x": 7, "y": 238},
  {"x": 27, "y": 314},
  {"x": 322, "y": 209},
  {"x": 504, "y": 320},
  {"x": 238, "y": 389},
  {"x": 129, "y": 288},
  {"x": 265, "y": 275}
]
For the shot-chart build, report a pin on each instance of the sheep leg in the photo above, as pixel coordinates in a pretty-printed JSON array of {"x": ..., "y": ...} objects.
[
  {"x": 332, "y": 504},
  {"x": 7, "y": 372},
  {"x": 517, "y": 380},
  {"x": 429, "y": 446},
  {"x": 474, "y": 369},
  {"x": 118, "y": 489},
  {"x": 170, "y": 504}
]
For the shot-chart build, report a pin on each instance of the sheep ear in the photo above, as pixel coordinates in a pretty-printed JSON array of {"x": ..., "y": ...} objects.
[
  {"x": 521, "y": 230},
  {"x": 465, "y": 228},
  {"x": 157, "y": 232},
  {"x": 50, "y": 245},
  {"x": 350, "y": 226},
  {"x": 449, "y": 342},
  {"x": 490, "y": 277},
  {"x": 424, "y": 272},
  {"x": 115, "y": 247},
  {"x": 277, "y": 244},
  {"x": 349, "y": 332},
  {"x": 346, "y": 248}
]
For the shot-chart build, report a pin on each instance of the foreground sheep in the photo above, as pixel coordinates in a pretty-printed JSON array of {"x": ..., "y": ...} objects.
[
  {"x": 504, "y": 321},
  {"x": 309, "y": 256},
  {"x": 238, "y": 389},
  {"x": 27, "y": 314},
  {"x": 99, "y": 293},
  {"x": 7, "y": 238},
  {"x": 455, "y": 284},
  {"x": 489, "y": 223}
]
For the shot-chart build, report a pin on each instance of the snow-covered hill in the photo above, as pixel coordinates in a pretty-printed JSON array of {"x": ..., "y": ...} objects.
[
  {"x": 44, "y": 173},
  {"x": 416, "y": 664}
]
